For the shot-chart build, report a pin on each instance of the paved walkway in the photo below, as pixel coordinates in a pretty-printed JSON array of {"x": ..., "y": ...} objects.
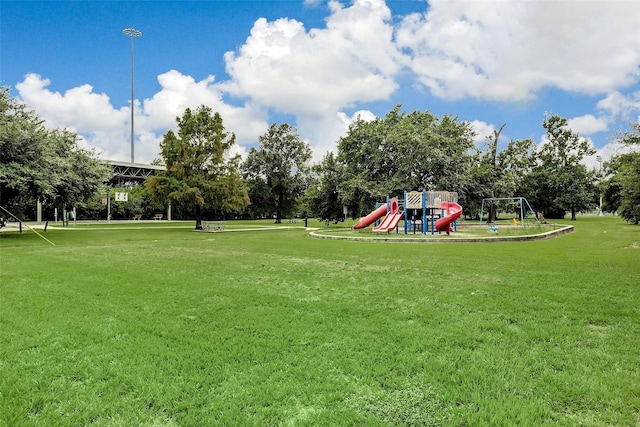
[{"x": 115, "y": 225}]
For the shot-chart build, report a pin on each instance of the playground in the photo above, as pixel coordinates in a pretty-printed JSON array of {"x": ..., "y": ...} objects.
[
  {"x": 426, "y": 211},
  {"x": 435, "y": 216}
]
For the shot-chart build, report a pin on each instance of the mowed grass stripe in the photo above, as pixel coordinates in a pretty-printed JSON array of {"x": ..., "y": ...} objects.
[{"x": 169, "y": 326}]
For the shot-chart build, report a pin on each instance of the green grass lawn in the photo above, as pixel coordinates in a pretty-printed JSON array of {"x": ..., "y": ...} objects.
[{"x": 166, "y": 326}]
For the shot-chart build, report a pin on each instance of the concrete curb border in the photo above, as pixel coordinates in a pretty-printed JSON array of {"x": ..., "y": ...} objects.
[{"x": 489, "y": 239}]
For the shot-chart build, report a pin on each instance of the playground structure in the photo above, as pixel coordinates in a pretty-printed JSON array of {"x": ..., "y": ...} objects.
[
  {"x": 421, "y": 210},
  {"x": 525, "y": 215}
]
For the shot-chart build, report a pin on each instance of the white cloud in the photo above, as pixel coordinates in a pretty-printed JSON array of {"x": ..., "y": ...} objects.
[
  {"x": 458, "y": 48},
  {"x": 323, "y": 132},
  {"x": 482, "y": 130},
  {"x": 606, "y": 153},
  {"x": 508, "y": 50},
  {"x": 284, "y": 67},
  {"x": 315, "y": 74},
  {"x": 179, "y": 92},
  {"x": 619, "y": 105},
  {"x": 89, "y": 114},
  {"x": 588, "y": 124},
  {"x": 78, "y": 108},
  {"x": 107, "y": 129},
  {"x": 364, "y": 115}
]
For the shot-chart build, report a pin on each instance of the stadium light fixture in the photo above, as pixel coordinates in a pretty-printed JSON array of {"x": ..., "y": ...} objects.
[{"x": 132, "y": 33}]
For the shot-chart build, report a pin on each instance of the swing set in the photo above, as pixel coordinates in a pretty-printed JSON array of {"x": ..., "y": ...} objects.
[{"x": 525, "y": 215}]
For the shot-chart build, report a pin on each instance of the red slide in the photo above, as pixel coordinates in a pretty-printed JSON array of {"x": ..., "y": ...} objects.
[
  {"x": 454, "y": 211},
  {"x": 366, "y": 221},
  {"x": 390, "y": 222}
]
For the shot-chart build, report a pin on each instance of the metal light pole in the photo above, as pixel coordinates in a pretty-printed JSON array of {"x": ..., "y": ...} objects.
[
  {"x": 131, "y": 33},
  {"x": 599, "y": 160}
]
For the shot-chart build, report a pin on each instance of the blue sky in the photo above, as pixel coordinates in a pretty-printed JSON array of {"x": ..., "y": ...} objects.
[{"x": 318, "y": 65}]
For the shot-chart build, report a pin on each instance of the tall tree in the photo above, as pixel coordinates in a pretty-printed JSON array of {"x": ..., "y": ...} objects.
[
  {"x": 79, "y": 174},
  {"x": 514, "y": 163},
  {"x": 22, "y": 140},
  {"x": 279, "y": 168},
  {"x": 622, "y": 192},
  {"x": 362, "y": 159},
  {"x": 323, "y": 198},
  {"x": 198, "y": 174},
  {"x": 559, "y": 182},
  {"x": 493, "y": 143},
  {"x": 501, "y": 176},
  {"x": 403, "y": 152}
]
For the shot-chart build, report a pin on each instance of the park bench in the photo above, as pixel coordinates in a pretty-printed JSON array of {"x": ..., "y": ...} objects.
[
  {"x": 137, "y": 217},
  {"x": 158, "y": 217}
]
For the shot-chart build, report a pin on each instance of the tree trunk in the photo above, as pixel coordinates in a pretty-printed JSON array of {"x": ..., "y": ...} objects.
[
  {"x": 493, "y": 212},
  {"x": 279, "y": 207},
  {"x": 198, "y": 218},
  {"x": 573, "y": 213}
]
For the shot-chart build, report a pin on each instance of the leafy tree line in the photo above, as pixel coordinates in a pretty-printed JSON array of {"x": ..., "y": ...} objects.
[
  {"x": 386, "y": 156},
  {"x": 41, "y": 164},
  {"x": 412, "y": 151}
]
